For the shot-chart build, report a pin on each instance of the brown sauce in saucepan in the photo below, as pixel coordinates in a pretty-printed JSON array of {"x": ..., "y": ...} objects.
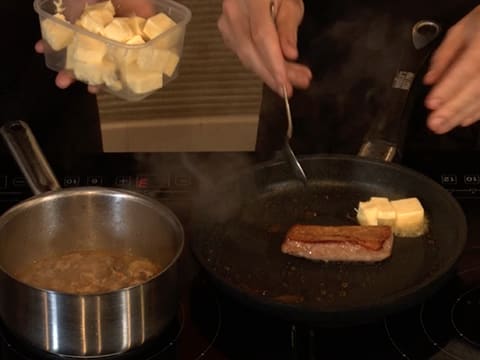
[{"x": 88, "y": 272}]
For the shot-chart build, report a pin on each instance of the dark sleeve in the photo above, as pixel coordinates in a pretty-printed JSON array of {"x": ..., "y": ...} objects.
[{"x": 64, "y": 121}]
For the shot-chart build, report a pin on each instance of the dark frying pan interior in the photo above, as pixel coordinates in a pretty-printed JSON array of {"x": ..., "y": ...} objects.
[{"x": 239, "y": 233}]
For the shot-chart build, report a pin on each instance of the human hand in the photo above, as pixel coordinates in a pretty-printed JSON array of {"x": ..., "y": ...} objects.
[
  {"x": 64, "y": 78},
  {"x": 265, "y": 45},
  {"x": 143, "y": 8},
  {"x": 74, "y": 8},
  {"x": 455, "y": 75}
]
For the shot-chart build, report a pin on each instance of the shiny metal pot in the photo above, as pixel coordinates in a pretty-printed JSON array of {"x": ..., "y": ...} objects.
[{"x": 85, "y": 218}]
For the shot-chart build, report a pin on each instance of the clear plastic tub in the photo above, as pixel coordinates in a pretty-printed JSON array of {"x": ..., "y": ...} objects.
[{"x": 128, "y": 56}]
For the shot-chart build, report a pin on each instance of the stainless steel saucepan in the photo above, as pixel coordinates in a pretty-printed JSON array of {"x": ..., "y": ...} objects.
[{"x": 56, "y": 221}]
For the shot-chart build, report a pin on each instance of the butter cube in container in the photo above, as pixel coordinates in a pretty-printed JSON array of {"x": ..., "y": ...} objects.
[{"x": 129, "y": 49}]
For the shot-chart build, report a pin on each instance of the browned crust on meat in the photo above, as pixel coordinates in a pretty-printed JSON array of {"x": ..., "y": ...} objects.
[
  {"x": 370, "y": 237},
  {"x": 342, "y": 243}
]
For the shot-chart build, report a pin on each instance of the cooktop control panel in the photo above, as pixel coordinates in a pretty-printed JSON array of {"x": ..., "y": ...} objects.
[
  {"x": 457, "y": 172},
  {"x": 461, "y": 185},
  {"x": 167, "y": 183},
  {"x": 173, "y": 189},
  {"x": 172, "y": 181}
]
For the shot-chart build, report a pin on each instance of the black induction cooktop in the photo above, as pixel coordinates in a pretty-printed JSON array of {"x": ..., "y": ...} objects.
[{"x": 211, "y": 325}]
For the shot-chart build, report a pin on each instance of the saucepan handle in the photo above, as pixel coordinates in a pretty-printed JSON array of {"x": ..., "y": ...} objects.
[
  {"x": 29, "y": 157},
  {"x": 387, "y": 133}
]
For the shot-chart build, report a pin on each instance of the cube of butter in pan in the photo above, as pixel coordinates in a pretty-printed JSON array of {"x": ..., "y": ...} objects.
[
  {"x": 376, "y": 211},
  {"x": 410, "y": 217},
  {"x": 367, "y": 213},
  {"x": 385, "y": 211}
]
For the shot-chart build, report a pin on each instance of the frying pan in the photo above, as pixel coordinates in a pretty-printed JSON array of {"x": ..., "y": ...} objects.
[
  {"x": 239, "y": 233},
  {"x": 239, "y": 226}
]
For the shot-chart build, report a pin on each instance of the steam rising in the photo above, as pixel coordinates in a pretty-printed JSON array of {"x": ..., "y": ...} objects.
[
  {"x": 367, "y": 46},
  {"x": 354, "y": 61},
  {"x": 208, "y": 171}
]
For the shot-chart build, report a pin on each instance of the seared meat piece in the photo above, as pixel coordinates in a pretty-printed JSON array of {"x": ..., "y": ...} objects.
[{"x": 339, "y": 243}]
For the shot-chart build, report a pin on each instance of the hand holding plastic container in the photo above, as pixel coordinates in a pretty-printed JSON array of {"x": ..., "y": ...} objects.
[{"x": 129, "y": 48}]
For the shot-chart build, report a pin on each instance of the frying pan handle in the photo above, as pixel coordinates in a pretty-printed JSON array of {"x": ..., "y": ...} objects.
[
  {"x": 26, "y": 151},
  {"x": 386, "y": 136}
]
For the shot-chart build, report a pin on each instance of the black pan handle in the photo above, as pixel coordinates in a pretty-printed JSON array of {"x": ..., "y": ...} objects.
[
  {"x": 385, "y": 137},
  {"x": 29, "y": 157}
]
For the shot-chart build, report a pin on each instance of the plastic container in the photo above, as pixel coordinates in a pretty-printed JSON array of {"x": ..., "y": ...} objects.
[{"x": 91, "y": 43}]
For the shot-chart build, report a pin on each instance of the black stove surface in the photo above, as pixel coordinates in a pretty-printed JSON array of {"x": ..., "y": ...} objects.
[
  {"x": 444, "y": 327},
  {"x": 211, "y": 325}
]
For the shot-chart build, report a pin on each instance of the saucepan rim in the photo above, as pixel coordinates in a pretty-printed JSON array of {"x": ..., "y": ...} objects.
[{"x": 96, "y": 190}]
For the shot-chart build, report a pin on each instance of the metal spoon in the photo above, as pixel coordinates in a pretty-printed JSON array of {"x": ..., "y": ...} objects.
[{"x": 290, "y": 156}]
